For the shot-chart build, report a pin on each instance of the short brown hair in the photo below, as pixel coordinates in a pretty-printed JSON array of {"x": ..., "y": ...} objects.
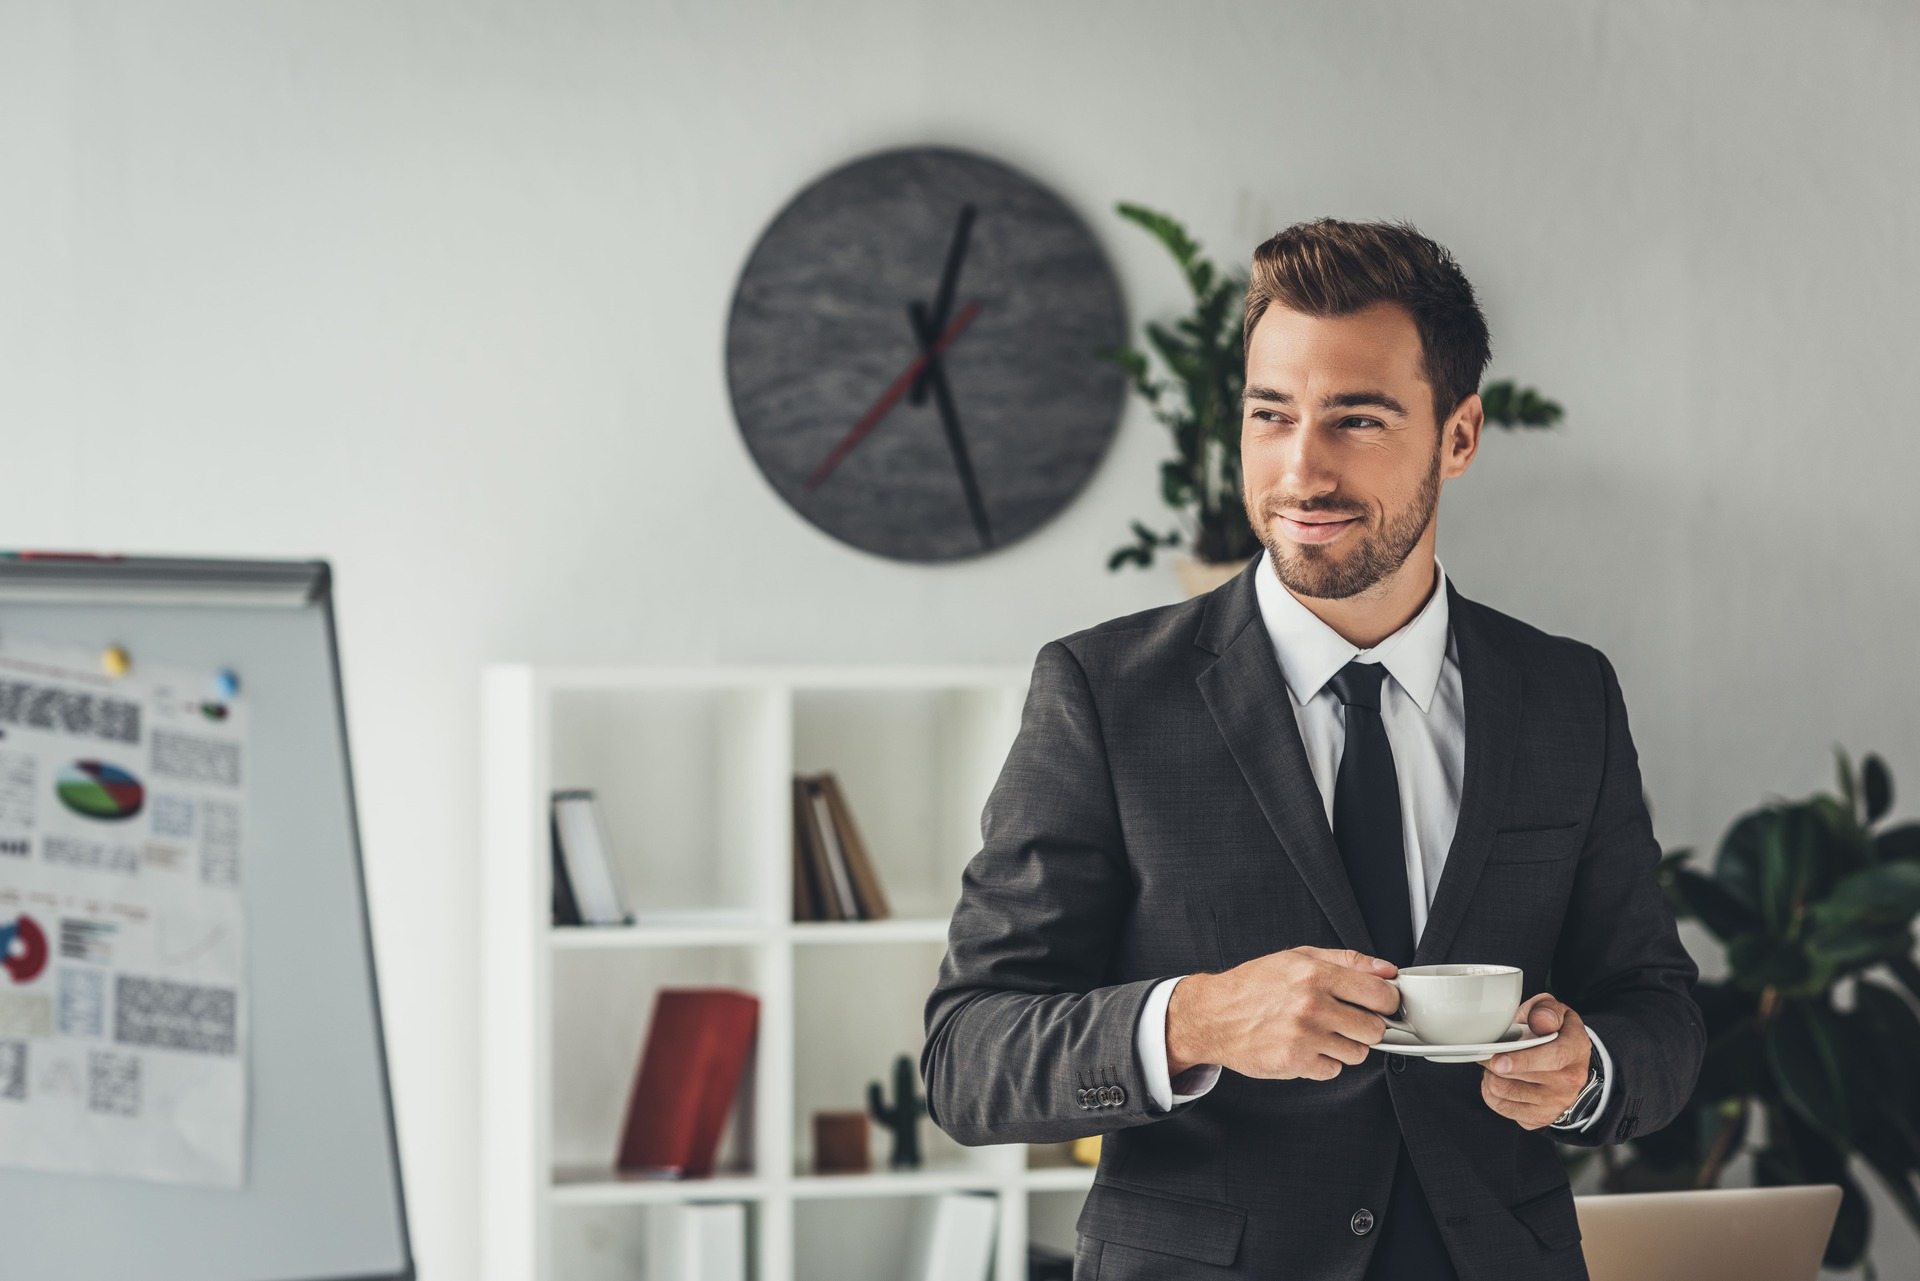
[{"x": 1330, "y": 268}]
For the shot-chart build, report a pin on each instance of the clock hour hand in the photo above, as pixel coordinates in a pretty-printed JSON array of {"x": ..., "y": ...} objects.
[
  {"x": 936, "y": 378},
  {"x": 943, "y": 300}
]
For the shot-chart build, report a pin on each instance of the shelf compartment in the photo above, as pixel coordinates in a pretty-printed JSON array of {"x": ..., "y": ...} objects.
[
  {"x": 689, "y": 779},
  {"x": 915, "y": 766},
  {"x": 602, "y": 1004},
  {"x": 609, "y": 1242},
  {"x": 855, "y": 1010},
  {"x": 861, "y": 1238}
]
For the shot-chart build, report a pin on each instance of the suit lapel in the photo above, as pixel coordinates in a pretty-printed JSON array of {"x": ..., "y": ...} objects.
[{"x": 1246, "y": 694}]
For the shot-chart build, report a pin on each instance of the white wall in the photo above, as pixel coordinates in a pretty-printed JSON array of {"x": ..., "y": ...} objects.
[{"x": 437, "y": 292}]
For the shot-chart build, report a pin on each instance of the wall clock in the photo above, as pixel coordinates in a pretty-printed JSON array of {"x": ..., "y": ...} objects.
[{"x": 913, "y": 354}]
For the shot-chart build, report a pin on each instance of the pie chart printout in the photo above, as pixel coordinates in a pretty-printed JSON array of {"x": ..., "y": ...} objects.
[
  {"x": 23, "y": 949},
  {"x": 99, "y": 790}
]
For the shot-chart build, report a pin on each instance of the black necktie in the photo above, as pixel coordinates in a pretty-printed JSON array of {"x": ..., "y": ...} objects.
[
  {"x": 1366, "y": 814},
  {"x": 1366, "y": 826}
]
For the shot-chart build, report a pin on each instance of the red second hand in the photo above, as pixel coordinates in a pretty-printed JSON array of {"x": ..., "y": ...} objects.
[{"x": 892, "y": 394}]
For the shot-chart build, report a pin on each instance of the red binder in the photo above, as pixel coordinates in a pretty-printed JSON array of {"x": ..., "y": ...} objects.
[{"x": 697, "y": 1047}]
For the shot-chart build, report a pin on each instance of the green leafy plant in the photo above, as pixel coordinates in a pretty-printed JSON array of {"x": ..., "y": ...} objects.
[
  {"x": 1807, "y": 896},
  {"x": 1191, "y": 373}
]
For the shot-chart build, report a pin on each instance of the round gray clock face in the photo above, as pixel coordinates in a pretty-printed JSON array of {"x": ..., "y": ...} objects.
[{"x": 913, "y": 354}]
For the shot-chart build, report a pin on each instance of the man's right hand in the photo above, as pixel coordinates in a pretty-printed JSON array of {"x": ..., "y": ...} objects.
[{"x": 1304, "y": 1012}]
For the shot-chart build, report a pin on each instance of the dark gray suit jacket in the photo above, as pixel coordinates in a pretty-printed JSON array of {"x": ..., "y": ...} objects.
[{"x": 1157, "y": 816}]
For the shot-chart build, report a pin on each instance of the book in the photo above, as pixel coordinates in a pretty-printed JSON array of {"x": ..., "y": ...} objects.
[
  {"x": 807, "y": 904},
  {"x": 565, "y": 910},
  {"x": 696, "y": 1241},
  {"x": 866, "y": 882},
  {"x": 699, "y": 1040},
  {"x": 951, "y": 1238},
  {"x": 813, "y": 844},
  {"x": 836, "y": 857},
  {"x": 582, "y": 850},
  {"x": 833, "y": 875}
]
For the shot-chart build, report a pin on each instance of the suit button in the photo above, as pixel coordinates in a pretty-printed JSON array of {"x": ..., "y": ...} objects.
[
  {"x": 1083, "y": 1098},
  {"x": 1399, "y": 1062},
  {"x": 1361, "y": 1222},
  {"x": 1106, "y": 1096},
  {"x": 1119, "y": 1095}
]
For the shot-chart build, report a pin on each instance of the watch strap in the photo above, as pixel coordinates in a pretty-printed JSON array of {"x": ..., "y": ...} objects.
[{"x": 1583, "y": 1103}]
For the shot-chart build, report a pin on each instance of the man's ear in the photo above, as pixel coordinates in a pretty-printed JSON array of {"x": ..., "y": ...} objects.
[{"x": 1460, "y": 436}]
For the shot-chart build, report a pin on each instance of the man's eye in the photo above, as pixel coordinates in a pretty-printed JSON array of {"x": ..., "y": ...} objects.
[{"x": 1268, "y": 416}]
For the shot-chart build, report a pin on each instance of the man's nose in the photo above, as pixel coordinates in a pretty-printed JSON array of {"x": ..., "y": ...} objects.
[{"x": 1307, "y": 464}]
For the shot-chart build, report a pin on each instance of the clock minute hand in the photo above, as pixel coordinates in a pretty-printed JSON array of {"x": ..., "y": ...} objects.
[
  {"x": 950, "y": 421},
  {"x": 943, "y": 299}
]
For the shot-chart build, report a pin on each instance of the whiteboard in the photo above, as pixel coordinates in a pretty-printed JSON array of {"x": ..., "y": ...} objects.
[{"x": 322, "y": 1200}]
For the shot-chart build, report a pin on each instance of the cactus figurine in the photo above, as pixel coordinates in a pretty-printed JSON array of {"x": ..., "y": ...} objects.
[{"x": 903, "y": 1118}]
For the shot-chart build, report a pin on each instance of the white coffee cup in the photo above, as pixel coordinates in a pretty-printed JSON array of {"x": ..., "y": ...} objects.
[{"x": 1457, "y": 1004}]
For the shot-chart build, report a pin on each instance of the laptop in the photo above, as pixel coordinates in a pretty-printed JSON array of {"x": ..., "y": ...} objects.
[{"x": 1712, "y": 1234}]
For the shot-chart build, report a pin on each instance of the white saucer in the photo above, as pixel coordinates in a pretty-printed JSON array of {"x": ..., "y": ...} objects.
[{"x": 1516, "y": 1037}]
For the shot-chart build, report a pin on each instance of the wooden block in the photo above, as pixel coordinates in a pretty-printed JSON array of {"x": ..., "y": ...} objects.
[{"x": 840, "y": 1144}]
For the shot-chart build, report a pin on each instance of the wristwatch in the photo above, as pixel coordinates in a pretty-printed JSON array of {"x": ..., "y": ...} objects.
[{"x": 1589, "y": 1096}]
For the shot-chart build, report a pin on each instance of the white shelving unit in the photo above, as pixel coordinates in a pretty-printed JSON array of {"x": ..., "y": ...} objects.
[{"x": 693, "y": 766}]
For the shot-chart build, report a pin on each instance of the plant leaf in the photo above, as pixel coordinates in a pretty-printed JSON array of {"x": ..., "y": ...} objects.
[
  {"x": 1163, "y": 228},
  {"x": 1842, "y": 949},
  {"x": 1734, "y": 1054},
  {"x": 1877, "y": 786},
  {"x": 1736, "y": 863},
  {"x": 1840, "y": 846},
  {"x": 1789, "y": 846},
  {"x": 1885, "y": 1039},
  {"x": 1900, "y": 843},
  {"x": 1881, "y": 894},
  {"x": 1797, "y": 1154},
  {"x": 1800, "y": 1049},
  {"x": 1717, "y": 909},
  {"x": 1760, "y": 961}
]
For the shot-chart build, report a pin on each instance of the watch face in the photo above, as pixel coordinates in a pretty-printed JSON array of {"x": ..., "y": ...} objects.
[{"x": 913, "y": 354}]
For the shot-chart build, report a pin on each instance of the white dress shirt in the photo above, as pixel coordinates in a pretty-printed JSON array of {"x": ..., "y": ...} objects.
[{"x": 1425, "y": 721}]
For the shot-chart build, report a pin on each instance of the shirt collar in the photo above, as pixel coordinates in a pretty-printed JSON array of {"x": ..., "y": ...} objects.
[{"x": 1310, "y": 651}]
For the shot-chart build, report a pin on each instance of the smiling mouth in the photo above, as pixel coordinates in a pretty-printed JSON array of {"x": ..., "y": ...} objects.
[{"x": 1315, "y": 531}]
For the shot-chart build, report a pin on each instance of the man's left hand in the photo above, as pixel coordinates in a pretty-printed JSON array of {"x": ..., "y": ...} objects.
[{"x": 1535, "y": 1086}]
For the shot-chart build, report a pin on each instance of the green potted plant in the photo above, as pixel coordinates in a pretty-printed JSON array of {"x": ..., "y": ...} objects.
[
  {"x": 1196, "y": 394},
  {"x": 1807, "y": 896}
]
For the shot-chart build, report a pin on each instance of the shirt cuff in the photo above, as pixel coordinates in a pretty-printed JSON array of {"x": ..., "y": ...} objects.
[
  {"x": 1606, "y": 1084},
  {"x": 1150, "y": 1042}
]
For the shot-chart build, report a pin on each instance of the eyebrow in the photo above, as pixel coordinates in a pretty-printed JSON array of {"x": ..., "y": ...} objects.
[{"x": 1337, "y": 400}]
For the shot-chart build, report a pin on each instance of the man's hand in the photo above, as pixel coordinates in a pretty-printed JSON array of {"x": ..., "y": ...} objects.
[
  {"x": 1304, "y": 1012},
  {"x": 1533, "y": 1087}
]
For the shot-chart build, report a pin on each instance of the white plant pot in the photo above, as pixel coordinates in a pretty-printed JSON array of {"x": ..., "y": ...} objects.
[{"x": 1201, "y": 576}]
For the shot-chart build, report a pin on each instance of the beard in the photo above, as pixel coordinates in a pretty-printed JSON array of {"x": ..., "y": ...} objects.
[{"x": 1331, "y": 573}]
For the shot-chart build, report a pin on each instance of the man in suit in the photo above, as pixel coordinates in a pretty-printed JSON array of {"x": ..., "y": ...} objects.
[{"x": 1225, "y": 823}]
